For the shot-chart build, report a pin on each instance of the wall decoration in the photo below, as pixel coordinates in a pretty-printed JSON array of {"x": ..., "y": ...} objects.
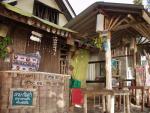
[
  {"x": 26, "y": 62},
  {"x": 115, "y": 67},
  {"x": 140, "y": 76},
  {"x": 39, "y": 83},
  {"x": 55, "y": 41}
]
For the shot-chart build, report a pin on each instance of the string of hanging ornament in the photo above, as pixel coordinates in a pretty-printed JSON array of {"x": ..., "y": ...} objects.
[
  {"x": 43, "y": 45},
  {"x": 101, "y": 41},
  {"x": 55, "y": 43}
]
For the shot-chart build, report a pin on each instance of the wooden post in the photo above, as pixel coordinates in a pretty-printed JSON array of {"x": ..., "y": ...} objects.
[
  {"x": 110, "y": 99},
  {"x": 104, "y": 104},
  {"x": 134, "y": 65},
  {"x": 108, "y": 63},
  {"x": 85, "y": 103},
  {"x": 126, "y": 58},
  {"x": 128, "y": 103}
]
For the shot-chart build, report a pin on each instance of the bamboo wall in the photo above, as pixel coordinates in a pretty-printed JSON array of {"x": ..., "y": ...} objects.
[
  {"x": 52, "y": 96},
  {"x": 23, "y": 44}
]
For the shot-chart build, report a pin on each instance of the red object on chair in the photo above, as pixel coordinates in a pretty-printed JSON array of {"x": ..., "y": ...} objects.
[{"x": 77, "y": 96}]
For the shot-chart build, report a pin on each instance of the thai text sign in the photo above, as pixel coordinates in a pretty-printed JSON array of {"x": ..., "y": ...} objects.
[{"x": 22, "y": 98}]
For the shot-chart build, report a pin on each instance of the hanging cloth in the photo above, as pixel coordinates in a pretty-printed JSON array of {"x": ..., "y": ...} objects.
[{"x": 80, "y": 63}]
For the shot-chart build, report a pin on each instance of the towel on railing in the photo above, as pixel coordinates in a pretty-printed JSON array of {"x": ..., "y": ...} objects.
[{"x": 76, "y": 96}]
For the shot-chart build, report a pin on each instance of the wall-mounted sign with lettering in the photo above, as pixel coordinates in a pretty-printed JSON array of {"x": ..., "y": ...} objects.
[{"x": 22, "y": 98}]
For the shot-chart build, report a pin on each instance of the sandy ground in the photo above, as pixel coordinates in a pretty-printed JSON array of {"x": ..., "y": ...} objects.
[{"x": 134, "y": 109}]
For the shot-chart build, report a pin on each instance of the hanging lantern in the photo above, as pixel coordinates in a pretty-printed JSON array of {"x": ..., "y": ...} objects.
[{"x": 100, "y": 23}]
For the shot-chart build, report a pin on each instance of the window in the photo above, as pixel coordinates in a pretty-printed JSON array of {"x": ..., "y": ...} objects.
[
  {"x": 96, "y": 70},
  {"x": 45, "y": 12}
]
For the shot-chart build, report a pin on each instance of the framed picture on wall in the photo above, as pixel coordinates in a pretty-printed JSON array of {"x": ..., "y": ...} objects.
[{"x": 115, "y": 64}]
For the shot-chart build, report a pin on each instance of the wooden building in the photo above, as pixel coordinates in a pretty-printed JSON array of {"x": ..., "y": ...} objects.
[
  {"x": 25, "y": 19},
  {"x": 120, "y": 30},
  {"x": 35, "y": 27},
  {"x": 127, "y": 31}
]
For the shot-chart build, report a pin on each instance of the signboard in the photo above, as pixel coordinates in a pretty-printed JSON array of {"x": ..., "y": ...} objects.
[{"x": 22, "y": 98}]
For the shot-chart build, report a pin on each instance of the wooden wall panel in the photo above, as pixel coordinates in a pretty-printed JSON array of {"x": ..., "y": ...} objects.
[
  {"x": 20, "y": 39},
  {"x": 49, "y": 62},
  {"x": 22, "y": 44},
  {"x": 18, "y": 36}
]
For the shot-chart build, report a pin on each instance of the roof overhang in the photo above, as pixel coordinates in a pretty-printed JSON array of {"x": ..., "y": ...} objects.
[
  {"x": 19, "y": 15},
  {"x": 66, "y": 8},
  {"x": 106, "y": 8},
  {"x": 122, "y": 20}
]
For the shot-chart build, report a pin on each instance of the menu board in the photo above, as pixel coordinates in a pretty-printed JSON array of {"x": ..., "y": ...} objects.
[{"x": 22, "y": 98}]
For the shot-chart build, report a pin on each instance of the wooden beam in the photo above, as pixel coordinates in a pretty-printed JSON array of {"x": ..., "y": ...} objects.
[
  {"x": 121, "y": 21},
  {"x": 123, "y": 11},
  {"x": 146, "y": 17},
  {"x": 115, "y": 22},
  {"x": 111, "y": 21},
  {"x": 146, "y": 28},
  {"x": 139, "y": 28},
  {"x": 140, "y": 31},
  {"x": 121, "y": 27}
]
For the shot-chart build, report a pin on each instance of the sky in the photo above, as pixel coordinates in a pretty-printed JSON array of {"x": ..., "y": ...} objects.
[{"x": 80, "y": 5}]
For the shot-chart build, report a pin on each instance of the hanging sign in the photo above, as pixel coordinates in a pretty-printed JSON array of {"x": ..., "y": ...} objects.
[{"x": 22, "y": 98}]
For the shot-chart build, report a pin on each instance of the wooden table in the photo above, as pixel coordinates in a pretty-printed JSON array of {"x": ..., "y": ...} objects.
[{"x": 112, "y": 94}]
